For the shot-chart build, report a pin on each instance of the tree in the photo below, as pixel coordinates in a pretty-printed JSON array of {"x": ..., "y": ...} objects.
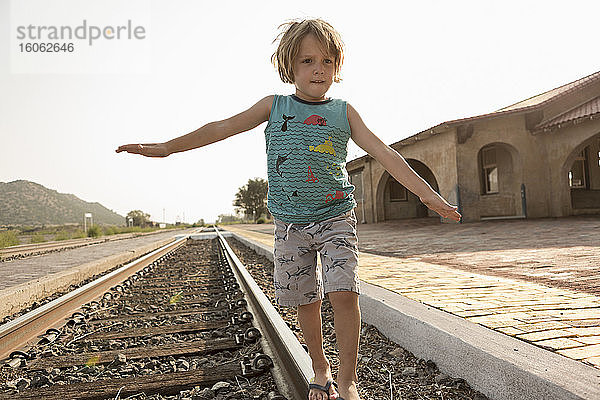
[
  {"x": 139, "y": 218},
  {"x": 226, "y": 218},
  {"x": 252, "y": 198}
]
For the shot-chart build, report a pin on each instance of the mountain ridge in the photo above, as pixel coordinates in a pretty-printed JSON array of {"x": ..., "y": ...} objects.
[{"x": 24, "y": 202}]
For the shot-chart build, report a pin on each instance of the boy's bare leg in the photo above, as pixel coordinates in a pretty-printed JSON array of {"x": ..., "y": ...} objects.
[
  {"x": 309, "y": 317},
  {"x": 347, "y": 332}
]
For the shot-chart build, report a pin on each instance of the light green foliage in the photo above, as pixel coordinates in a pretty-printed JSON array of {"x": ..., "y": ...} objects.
[
  {"x": 136, "y": 229},
  {"x": 110, "y": 230},
  {"x": 8, "y": 238},
  {"x": 62, "y": 235},
  {"x": 94, "y": 231},
  {"x": 228, "y": 219},
  {"x": 38, "y": 238},
  {"x": 78, "y": 234}
]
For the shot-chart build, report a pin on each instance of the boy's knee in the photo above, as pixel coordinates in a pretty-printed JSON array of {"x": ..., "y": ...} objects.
[
  {"x": 343, "y": 299},
  {"x": 316, "y": 305}
]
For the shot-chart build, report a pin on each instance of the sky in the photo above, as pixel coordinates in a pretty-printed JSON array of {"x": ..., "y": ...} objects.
[{"x": 408, "y": 66}]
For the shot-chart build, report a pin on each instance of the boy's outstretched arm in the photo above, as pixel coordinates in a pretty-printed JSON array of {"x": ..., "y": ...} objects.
[
  {"x": 397, "y": 166},
  {"x": 209, "y": 133}
]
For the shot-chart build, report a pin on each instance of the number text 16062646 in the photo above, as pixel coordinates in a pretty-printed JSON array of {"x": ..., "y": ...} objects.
[{"x": 46, "y": 47}]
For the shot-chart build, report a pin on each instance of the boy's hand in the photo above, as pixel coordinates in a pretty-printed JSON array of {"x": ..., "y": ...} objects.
[
  {"x": 441, "y": 206},
  {"x": 148, "y": 149}
]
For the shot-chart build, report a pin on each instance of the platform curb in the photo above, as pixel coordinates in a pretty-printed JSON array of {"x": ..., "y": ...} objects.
[
  {"x": 495, "y": 364},
  {"x": 19, "y": 297}
]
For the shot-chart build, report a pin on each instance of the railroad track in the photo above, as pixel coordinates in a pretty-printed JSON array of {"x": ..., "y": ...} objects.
[
  {"x": 187, "y": 318},
  {"x": 29, "y": 250}
]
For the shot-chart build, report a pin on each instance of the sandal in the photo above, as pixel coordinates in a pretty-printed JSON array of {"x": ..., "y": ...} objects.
[{"x": 325, "y": 388}]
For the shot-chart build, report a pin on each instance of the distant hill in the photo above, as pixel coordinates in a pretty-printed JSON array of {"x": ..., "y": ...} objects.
[{"x": 28, "y": 203}]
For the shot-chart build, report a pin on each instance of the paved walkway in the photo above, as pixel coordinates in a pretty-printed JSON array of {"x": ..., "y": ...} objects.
[{"x": 537, "y": 280}]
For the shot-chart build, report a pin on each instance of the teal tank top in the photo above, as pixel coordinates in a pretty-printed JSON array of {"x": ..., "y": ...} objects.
[{"x": 307, "y": 145}]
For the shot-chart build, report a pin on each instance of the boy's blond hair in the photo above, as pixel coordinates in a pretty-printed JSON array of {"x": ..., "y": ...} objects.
[{"x": 289, "y": 45}]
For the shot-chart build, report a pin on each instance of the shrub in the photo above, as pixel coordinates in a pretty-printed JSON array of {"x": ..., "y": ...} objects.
[
  {"x": 261, "y": 220},
  {"x": 8, "y": 238},
  {"x": 109, "y": 230},
  {"x": 38, "y": 238},
  {"x": 62, "y": 235},
  {"x": 135, "y": 229},
  {"x": 94, "y": 231},
  {"x": 78, "y": 234}
]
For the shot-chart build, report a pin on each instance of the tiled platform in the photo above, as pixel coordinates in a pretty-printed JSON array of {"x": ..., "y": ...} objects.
[{"x": 536, "y": 280}]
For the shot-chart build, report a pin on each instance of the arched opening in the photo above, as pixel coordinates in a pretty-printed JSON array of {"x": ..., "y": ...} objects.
[
  {"x": 500, "y": 179},
  {"x": 394, "y": 201},
  {"x": 583, "y": 176}
]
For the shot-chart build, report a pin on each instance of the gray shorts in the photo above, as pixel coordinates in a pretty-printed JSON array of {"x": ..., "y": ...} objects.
[{"x": 297, "y": 280}]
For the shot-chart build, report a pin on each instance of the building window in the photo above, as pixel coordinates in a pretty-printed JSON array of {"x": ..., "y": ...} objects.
[
  {"x": 397, "y": 191},
  {"x": 489, "y": 170},
  {"x": 577, "y": 173}
]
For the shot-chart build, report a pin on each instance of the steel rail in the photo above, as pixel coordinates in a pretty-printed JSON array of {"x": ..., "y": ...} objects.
[
  {"x": 20, "y": 331},
  {"x": 280, "y": 343},
  {"x": 29, "y": 248}
]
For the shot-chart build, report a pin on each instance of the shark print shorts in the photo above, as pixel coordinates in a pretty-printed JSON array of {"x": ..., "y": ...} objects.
[{"x": 298, "y": 280}]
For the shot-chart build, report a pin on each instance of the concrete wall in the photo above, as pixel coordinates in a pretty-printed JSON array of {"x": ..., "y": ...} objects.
[
  {"x": 365, "y": 206},
  {"x": 409, "y": 208},
  {"x": 507, "y": 201},
  {"x": 438, "y": 156},
  {"x": 412, "y": 207},
  {"x": 511, "y": 140},
  {"x": 398, "y": 209}
]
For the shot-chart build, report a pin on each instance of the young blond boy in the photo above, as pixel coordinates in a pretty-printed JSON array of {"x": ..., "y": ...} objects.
[{"x": 310, "y": 196}]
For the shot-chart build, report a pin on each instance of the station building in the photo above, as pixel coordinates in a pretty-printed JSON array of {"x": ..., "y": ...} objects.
[{"x": 537, "y": 158}]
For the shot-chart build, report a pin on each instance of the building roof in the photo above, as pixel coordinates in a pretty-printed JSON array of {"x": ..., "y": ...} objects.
[
  {"x": 554, "y": 93},
  {"x": 530, "y": 104},
  {"x": 589, "y": 110}
]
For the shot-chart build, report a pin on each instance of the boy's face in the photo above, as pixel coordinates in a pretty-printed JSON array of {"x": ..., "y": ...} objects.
[{"x": 313, "y": 70}]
